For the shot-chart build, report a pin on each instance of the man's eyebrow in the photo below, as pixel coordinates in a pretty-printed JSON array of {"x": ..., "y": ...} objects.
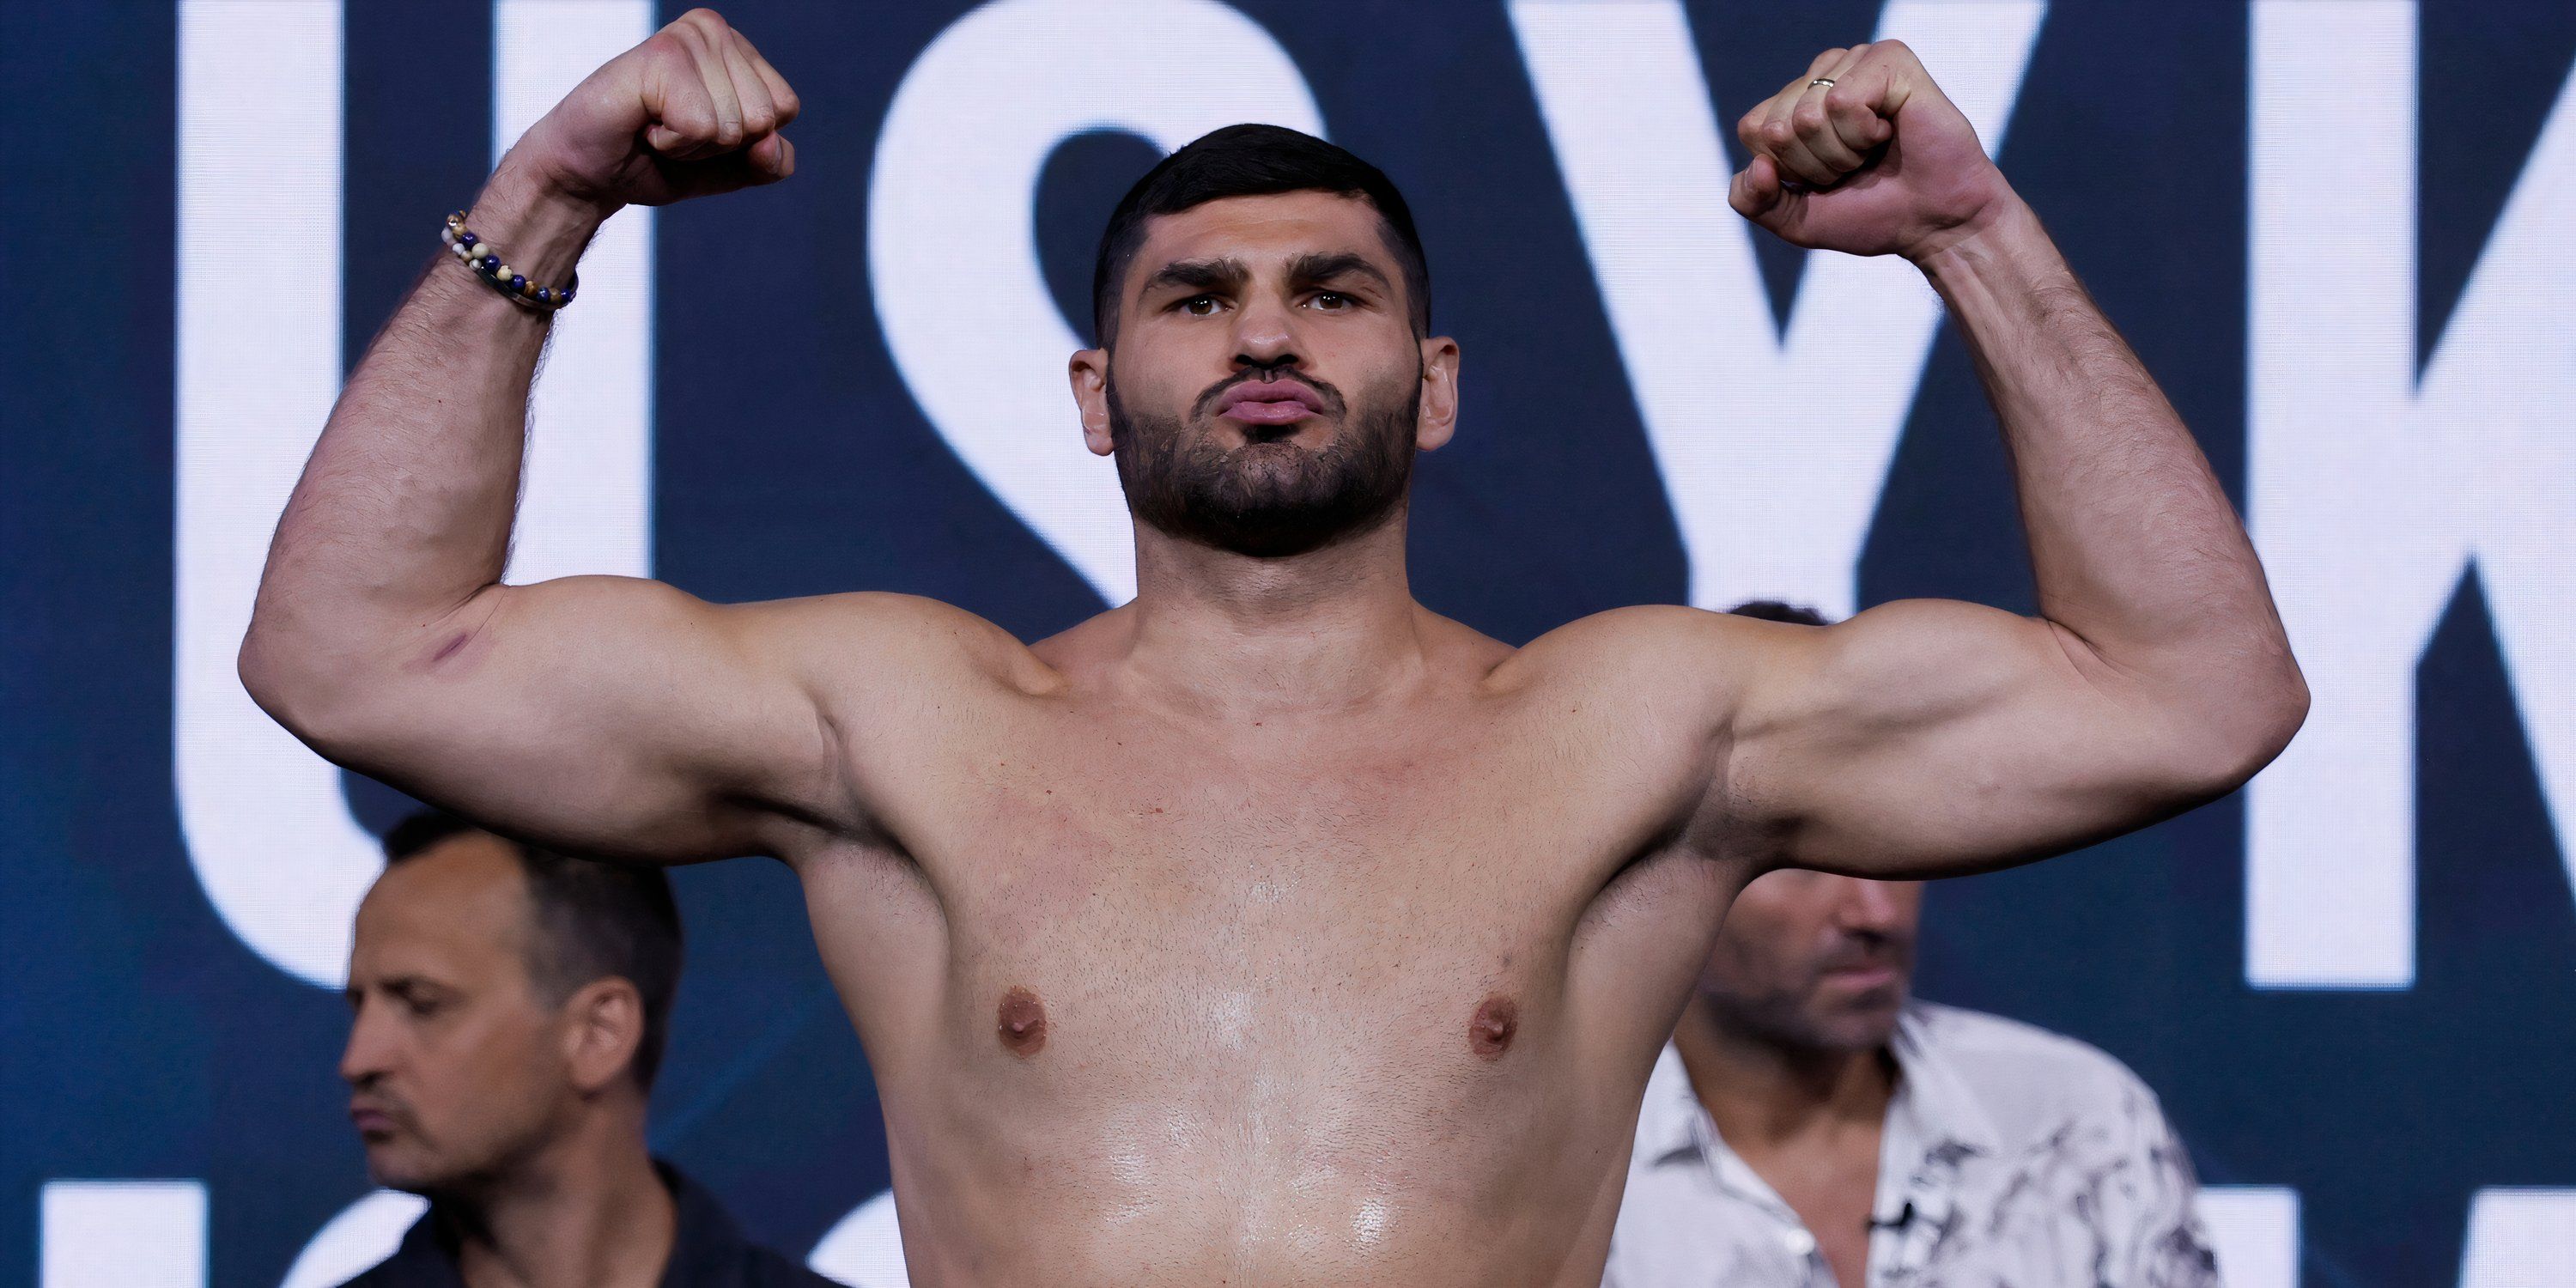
[
  {"x": 1198, "y": 275},
  {"x": 1317, "y": 266}
]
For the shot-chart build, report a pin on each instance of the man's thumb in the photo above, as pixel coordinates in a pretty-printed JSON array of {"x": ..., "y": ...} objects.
[{"x": 1755, "y": 192}]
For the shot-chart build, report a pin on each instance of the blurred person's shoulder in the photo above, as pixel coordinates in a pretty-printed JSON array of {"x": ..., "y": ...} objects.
[
  {"x": 710, "y": 1249},
  {"x": 2026, "y": 1078}
]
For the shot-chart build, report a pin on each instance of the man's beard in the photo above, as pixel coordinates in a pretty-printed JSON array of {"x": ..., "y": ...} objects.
[{"x": 1268, "y": 498}]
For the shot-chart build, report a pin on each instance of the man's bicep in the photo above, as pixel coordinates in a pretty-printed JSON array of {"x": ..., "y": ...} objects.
[
  {"x": 1931, "y": 737},
  {"x": 608, "y": 715}
]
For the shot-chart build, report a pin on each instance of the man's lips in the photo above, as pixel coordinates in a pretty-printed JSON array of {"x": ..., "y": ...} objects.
[
  {"x": 1269, "y": 402},
  {"x": 1871, "y": 975},
  {"x": 372, "y": 1121}
]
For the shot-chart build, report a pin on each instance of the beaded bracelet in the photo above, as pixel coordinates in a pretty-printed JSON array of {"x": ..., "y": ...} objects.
[{"x": 480, "y": 256}]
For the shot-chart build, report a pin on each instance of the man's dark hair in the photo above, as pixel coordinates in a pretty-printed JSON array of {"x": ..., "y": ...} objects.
[
  {"x": 1773, "y": 610},
  {"x": 1253, "y": 161},
  {"x": 587, "y": 920}
]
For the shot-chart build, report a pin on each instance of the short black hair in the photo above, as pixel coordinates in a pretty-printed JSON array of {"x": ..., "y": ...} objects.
[
  {"x": 1253, "y": 161},
  {"x": 1774, "y": 610},
  {"x": 588, "y": 920}
]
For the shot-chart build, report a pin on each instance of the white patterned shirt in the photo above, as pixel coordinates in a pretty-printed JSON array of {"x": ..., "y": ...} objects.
[{"x": 2012, "y": 1158}]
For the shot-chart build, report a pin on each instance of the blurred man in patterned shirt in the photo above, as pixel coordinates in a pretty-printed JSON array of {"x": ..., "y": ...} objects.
[{"x": 1811, "y": 1126}]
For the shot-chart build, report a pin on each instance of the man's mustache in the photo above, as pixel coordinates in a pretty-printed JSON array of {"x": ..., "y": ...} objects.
[
  {"x": 386, "y": 1103},
  {"x": 1332, "y": 397},
  {"x": 1862, "y": 951}
]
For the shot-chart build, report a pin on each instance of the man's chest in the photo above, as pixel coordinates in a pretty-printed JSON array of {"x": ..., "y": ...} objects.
[
  {"x": 1403, "y": 824},
  {"x": 1833, "y": 1191},
  {"x": 1386, "y": 861}
]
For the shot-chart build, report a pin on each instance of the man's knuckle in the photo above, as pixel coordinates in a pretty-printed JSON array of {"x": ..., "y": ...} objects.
[
  {"x": 1809, "y": 117},
  {"x": 1777, "y": 132}
]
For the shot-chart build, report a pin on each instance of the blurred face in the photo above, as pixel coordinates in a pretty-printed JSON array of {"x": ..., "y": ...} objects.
[
  {"x": 1815, "y": 961},
  {"x": 1266, "y": 392},
  {"x": 456, "y": 1066}
]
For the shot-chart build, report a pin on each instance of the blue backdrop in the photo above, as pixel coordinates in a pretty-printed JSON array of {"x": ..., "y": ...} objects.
[{"x": 2262, "y": 196}]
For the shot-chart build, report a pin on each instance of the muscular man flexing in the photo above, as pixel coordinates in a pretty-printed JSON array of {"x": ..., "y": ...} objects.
[{"x": 1271, "y": 929}]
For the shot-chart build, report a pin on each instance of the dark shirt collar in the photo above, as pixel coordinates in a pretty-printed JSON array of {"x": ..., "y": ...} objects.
[{"x": 707, "y": 1248}]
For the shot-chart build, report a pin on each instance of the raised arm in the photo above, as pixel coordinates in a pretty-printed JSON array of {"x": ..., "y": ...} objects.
[
  {"x": 613, "y": 715},
  {"x": 1929, "y": 737}
]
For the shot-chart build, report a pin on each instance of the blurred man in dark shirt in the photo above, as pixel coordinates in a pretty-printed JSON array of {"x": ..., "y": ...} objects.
[{"x": 510, "y": 1008}]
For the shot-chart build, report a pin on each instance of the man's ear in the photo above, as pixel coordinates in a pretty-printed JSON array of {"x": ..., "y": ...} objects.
[
  {"x": 1439, "y": 417},
  {"x": 1089, "y": 371},
  {"x": 603, "y": 1026}
]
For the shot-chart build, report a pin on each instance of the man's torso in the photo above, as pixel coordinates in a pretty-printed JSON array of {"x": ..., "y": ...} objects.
[{"x": 1158, "y": 994}]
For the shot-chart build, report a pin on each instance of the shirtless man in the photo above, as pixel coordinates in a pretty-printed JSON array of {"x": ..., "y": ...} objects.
[{"x": 1271, "y": 929}]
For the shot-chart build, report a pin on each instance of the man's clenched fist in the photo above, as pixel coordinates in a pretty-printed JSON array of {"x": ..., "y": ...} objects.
[
  {"x": 1878, "y": 162},
  {"x": 692, "y": 111}
]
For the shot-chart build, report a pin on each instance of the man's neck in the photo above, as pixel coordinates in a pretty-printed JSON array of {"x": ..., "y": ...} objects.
[
  {"x": 1228, "y": 634},
  {"x": 588, "y": 1210},
  {"x": 1764, "y": 1094}
]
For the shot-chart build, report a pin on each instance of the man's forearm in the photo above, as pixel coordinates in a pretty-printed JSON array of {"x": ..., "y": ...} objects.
[
  {"x": 404, "y": 510},
  {"x": 2135, "y": 547}
]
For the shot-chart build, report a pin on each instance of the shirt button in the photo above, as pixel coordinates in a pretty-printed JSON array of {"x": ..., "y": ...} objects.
[{"x": 1797, "y": 1241}]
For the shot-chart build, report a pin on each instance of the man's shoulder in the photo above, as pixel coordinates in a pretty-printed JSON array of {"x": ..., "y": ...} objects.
[
  {"x": 1646, "y": 650},
  {"x": 1640, "y": 629},
  {"x": 2010, "y": 1063},
  {"x": 711, "y": 1248},
  {"x": 881, "y": 627}
]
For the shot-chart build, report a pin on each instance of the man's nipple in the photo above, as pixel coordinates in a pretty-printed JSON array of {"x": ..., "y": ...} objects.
[
  {"x": 1489, "y": 1034},
  {"x": 1021, "y": 1023}
]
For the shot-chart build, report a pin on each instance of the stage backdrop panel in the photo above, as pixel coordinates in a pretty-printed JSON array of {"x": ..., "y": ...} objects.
[{"x": 2336, "y": 229}]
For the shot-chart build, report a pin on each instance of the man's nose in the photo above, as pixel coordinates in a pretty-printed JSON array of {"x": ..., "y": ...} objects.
[
  {"x": 1265, "y": 336},
  {"x": 1868, "y": 905},
  {"x": 369, "y": 1053}
]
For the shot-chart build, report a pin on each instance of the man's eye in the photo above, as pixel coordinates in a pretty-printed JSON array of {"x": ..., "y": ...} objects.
[
  {"x": 1199, "y": 306},
  {"x": 419, "y": 1003},
  {"x": 1331, "y": 301}
]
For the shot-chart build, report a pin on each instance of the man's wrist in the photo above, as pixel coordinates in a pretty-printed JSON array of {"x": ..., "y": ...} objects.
[
  {"x": 539, "y": 229},
  {"x": 2007, "y": 236}
]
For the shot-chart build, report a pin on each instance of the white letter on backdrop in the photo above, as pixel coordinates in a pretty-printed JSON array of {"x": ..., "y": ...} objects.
[
  {"x": 267, "y": 827},
  {"x": 1771, "y": 502},
  {"x": 2371, "y": 490}
]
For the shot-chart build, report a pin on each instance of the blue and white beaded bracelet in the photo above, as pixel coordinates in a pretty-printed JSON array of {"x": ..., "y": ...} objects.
[{"x": 487, "y": 264}]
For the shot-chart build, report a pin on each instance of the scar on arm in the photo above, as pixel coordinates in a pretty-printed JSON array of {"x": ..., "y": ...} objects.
[{"x": 453, "y": 640}]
